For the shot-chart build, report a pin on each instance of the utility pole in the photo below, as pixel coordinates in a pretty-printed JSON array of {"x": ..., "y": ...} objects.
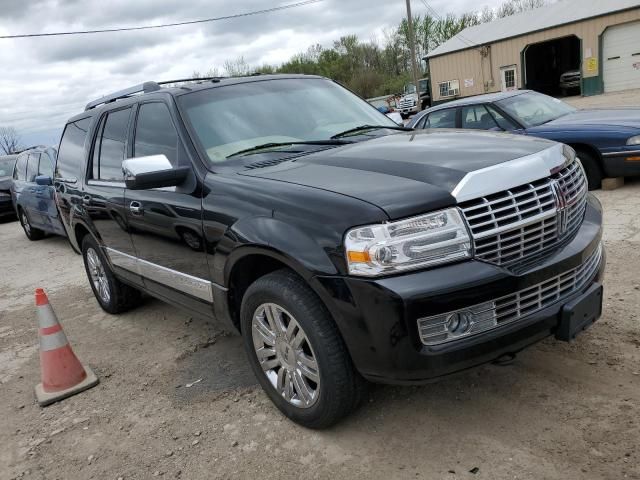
[{"x": 412, "y": 47}]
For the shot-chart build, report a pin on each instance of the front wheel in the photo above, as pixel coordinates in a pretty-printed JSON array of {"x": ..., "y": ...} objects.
[
  {"x": 591, "y": 168},
  {"x": 112, "y": 295},
  {"x": 32, "y": 233},
  {"x": 297, "y": 353}
]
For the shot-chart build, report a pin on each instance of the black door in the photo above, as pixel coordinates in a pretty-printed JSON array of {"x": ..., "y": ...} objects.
[
  {"x": 103, "y": 196},
  {"x": 166, "y": 223}
]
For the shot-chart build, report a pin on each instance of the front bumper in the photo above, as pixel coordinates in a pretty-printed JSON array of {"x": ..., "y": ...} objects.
[
  {"x": 6, "y": 206},
  {"x": 378, "y": 317}
]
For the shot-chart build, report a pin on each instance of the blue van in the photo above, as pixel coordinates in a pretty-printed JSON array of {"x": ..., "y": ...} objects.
[{"x": 32, "y": 193}]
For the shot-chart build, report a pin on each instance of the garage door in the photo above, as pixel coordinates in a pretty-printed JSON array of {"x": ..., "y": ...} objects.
[{"x": 621, "y": 57}]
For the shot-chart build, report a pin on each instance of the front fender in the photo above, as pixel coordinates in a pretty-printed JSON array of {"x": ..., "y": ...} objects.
[{"x": 277, "y": 239}]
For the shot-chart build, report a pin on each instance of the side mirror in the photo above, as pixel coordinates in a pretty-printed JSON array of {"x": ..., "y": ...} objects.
[
  {"x": 44, "y": 180},
  {"x": 155, "y": 171}
]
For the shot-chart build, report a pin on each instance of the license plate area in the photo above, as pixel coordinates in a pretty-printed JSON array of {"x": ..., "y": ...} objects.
[{"x": 580, "y": 313}]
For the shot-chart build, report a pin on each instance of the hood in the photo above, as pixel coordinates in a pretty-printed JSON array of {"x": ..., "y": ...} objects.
[
  {"x": 621, "y": 117},
  {"x": 404, "y": 174}
]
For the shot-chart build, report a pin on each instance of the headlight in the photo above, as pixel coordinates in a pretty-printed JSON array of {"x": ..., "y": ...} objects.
[
  {"x": 408, "y": 244},
  {"x": 634, "y": 140}
]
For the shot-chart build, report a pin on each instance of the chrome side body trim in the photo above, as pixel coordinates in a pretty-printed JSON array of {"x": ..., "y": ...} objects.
[
  {"x": 502, "y": 176},
  {"x": 621, "y": 153},
  {"x": 104, "y": 183},
  {"x": 194, "y": 286}
]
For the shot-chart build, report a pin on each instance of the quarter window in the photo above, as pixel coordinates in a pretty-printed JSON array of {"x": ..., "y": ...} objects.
[
  {"x": 111, "y": 145},
  {"x": 155, "y": 133},
  {"x": 450, "y": 88}
]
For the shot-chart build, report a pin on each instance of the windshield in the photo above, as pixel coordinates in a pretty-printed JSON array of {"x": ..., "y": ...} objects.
[
  {"x": 533, "y": 109},
  {"x": 235, "y": 118},
  {"x": 6, "y": 166}
]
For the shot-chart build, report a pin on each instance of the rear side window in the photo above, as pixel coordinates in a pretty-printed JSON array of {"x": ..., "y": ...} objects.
[
  {"x": 155, "y": 133},
  {"x": 110, "y": 147},
  {"x": 32, "y": 167},
  {"x": 20, "y": 172},
  {"x": 71, "y": 154},
  {"x": 46, "y": 166},
  {"x": 442, "y": 119}
]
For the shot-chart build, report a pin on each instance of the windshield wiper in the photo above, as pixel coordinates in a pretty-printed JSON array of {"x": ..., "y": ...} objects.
[
  {"x": 265, "y": 146},
  {"x": 370, "y": 127}
]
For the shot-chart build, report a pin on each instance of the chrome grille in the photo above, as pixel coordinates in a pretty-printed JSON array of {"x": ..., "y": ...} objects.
[
  {"x": 509, "y": 308},
  {"x": 533, "y": 299},
  {"x": 517, "y": 223}
]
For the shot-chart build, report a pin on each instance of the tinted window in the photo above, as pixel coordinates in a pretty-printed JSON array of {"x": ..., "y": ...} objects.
[
  {"x": 112, "y": 144},
  {"x": 442, "y": 119},
  {"x": 45, "y": 167},
  {"x": 71, "y": 154},
  {"x": 20, "y": 172},
  {"x": 32, "y": 166},
  {"x": 477, "y": 117},
  {"x": 155, "y": 133},
  {"x": 503, "y": 122}
]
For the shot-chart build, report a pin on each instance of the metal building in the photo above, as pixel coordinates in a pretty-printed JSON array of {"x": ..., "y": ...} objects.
[{"x": 600, "y": 39}]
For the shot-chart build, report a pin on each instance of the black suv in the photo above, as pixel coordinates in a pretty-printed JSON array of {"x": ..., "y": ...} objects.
[{"x": 340, "y": 246}]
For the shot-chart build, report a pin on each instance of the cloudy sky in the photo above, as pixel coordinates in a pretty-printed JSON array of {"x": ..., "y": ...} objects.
[{"x": 43, "y": 81}]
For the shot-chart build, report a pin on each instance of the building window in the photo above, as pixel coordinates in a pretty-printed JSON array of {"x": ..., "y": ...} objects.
[
  {"x": 450, "y": 88},
  {"x": 510, "y": 78}
]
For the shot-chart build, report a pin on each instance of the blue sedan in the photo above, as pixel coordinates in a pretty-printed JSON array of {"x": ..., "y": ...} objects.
[{"x": 606, "y": 141}]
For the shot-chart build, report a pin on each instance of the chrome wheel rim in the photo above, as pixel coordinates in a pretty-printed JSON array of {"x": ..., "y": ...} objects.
[
  {"x": 98, "y": 277},
  {"x": 25, "y": 223},
  {"x": 285, "y": 355}
]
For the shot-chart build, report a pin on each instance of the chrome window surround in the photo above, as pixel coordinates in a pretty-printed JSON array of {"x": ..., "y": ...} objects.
[
  {"x": 509, "y": 308},
  {"x": 519, "y": 222}
]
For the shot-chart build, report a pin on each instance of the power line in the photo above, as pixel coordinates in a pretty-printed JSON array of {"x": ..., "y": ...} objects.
[
  {"x": 165, "y": 25},
  {"x": 459, "y": 34}
]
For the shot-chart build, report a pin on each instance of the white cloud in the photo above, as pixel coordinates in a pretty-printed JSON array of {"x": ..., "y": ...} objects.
[{"x": 46, "y": 80}]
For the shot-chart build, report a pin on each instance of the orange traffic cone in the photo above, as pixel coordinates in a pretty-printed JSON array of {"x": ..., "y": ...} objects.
[{"x": 62, "y": 373}]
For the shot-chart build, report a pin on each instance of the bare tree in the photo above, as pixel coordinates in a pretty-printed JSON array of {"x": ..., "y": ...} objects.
[{"x": 9, "y": 140}]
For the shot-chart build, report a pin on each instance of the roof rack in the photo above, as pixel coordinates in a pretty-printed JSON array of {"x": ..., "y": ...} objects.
[{"x": 146, "y": 87}]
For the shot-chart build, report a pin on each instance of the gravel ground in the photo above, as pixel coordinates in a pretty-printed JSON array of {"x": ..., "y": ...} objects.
[{"x": 559, "y": 412}]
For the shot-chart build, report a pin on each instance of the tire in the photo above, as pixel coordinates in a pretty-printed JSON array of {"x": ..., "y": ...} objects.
[
  {"x": 592, "y": 169},
  {"x": 32, "y": 233},
  {"x": 332, "y": 389},
  {"x": 112, "y": 295}
]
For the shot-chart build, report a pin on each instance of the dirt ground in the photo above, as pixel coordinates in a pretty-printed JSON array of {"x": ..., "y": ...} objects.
[{"x": 561, "y": 411}]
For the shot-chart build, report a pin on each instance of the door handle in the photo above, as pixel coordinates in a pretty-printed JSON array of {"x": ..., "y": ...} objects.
[
  {"x": 86, "y": 200},
  {"x": 136, "y": 208}
]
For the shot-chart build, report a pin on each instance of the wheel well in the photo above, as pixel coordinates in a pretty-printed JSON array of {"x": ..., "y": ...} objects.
[
  {"x": 583, "y": 147},
  {"x": 246, "y": 271},
  {"x": 80, "y": 232}
]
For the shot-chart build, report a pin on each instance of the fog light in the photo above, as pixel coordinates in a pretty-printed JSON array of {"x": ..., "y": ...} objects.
[{"x": 459, "y": 323}]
